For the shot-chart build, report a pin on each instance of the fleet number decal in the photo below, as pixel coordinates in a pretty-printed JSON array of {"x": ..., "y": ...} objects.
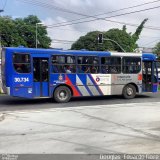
[{"x": 22, "y": 79}]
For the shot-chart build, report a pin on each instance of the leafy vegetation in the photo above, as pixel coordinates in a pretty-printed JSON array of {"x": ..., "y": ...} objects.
[
  {"x": 157, "y": 49},
  {"x": 126, "y": 40},
  {"x": 22, "y": 32}
]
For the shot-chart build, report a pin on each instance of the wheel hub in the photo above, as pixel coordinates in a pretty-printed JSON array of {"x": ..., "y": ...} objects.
[
  {"x": 62, "y": 95},
  {"x": 129, "y": 91}
]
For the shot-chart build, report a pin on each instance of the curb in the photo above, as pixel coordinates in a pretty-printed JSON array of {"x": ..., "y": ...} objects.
[{"x": 1, "y": 117}]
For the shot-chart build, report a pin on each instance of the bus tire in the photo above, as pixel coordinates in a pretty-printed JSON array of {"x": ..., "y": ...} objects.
[
  {"x": 129, "y": 91},
  {"x": 62, "y": 94}
]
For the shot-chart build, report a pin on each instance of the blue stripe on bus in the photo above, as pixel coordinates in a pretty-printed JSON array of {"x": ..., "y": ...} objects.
[
  {"x": 83, "y": 80},
  {"x": 78, "y": 90},
  {"x": 95, "y": 84},
  {"x": 89, "y": 91}
]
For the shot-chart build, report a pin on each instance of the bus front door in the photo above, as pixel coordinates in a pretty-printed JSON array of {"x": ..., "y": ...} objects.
[
  {"x": 149, "y": 77},
  {"x": 41, "y": 77}
]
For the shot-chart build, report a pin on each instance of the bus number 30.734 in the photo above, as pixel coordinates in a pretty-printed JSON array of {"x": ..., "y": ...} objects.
[{"x": 22, "y": 79}]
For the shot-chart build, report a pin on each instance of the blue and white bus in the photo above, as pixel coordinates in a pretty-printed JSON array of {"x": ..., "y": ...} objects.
[{"x": 60, "y": 74}]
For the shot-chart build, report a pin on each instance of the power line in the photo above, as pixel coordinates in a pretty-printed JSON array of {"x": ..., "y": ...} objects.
[
  {"x": 88, "y": 16},
  {"x": 119, "y": 22},
  {"x": 105, "y": 18},
  {"x": 129, "y": 24},
  {"x": 40, "y": 3},
  {"x": 66, "y": 29},
  {"x": 151, "y": 42},
  {"x": 62, "y": 40},
  {"x": 149, "y": 37},
  {"x": 95, "y": 18}
]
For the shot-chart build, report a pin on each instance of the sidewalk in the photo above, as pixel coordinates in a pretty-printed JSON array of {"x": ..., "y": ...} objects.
[{"x": 120, "y": 128}]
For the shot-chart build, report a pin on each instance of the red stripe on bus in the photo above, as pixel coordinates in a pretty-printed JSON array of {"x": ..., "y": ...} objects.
[
  {"x": 68, "y": 82},
  {"x": 139, "y": 77}
]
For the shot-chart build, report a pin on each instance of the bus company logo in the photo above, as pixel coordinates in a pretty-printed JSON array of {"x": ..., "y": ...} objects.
[
  {"x": 97, "y": 79},
  {"x": 60, "y": 78}
]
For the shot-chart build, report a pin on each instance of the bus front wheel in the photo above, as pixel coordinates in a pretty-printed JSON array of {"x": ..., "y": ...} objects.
[
  {"x": 129, "y": 91},
  {"x": 62, "y": 94}
]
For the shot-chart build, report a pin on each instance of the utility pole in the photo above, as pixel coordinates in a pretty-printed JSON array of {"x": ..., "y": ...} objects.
[{"x": 37, "y": 33}]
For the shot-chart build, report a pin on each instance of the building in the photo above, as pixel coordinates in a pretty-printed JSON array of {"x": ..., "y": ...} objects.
[{"x": 144, "y": 50}]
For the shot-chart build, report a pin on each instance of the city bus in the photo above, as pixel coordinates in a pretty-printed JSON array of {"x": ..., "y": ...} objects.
[{"x": 61, "y": 75}]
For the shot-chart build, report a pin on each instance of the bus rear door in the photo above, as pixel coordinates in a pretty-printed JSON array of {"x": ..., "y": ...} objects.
[
  {"x": 41, "y": 77},
  {"x": 150, "y": 77}
]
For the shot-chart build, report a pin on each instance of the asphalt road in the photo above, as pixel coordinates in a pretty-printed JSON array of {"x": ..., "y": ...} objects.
[
  {"x": 132, "y": 128},
  {"x": 8, "y": 103},
  {"x": 90, "y": 125}
]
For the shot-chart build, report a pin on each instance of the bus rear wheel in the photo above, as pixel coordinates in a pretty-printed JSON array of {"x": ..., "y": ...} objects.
[
  {"x": 129, "y": 91},
  {"x": 62, "y": 94}
]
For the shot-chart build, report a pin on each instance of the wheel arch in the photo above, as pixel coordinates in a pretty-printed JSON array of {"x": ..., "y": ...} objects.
[
  {"x": 65, "y": 86},
  {"x": 132, "y": 83}
]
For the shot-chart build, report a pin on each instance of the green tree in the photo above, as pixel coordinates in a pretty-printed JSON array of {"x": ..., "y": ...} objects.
[
  {"x": 22, "y": 31},
  {"x": 157, "y": 49},
  {"x": 9, "y": 34},
  {"x": 126, "y": 40}
]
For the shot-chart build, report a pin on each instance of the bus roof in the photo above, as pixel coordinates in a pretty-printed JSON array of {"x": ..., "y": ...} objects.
[
  {"x": 145, "y": 56},
  {"x": 149, "y": 57}
]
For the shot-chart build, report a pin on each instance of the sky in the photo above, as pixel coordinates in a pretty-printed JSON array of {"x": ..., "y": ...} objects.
[{"x": 52, "y": 12}]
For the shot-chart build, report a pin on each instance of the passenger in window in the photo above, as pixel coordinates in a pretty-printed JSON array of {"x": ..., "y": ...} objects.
[
  {"x": 87, "y": 69},
  {"x": 95, "y": 61},
  {"x": 55, "y": 69},
  {"x": 54, "y": 61},
  {"x": 61, "y": 69},
  {"x": 113, "y": 70},
  {"x": 105, "y": 69},
  {"x": 93, "y": 69},
  {"x": 131, "y": 69},
  {"x": 26, "y": 58},
  {"x": 68, "y": 69},
  {"x": 18, "y": 68},
  {"x": 80, "y": 70}
]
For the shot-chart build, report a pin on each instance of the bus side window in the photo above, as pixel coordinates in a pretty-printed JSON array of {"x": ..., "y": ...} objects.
[
  {"x": 63, "y": 64},
  {"x": 111, "y": 65},
  {"x": 21, "y": 63},
  {"x": 88, "y": 64},
  {"x": 131, "y": 65}
]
